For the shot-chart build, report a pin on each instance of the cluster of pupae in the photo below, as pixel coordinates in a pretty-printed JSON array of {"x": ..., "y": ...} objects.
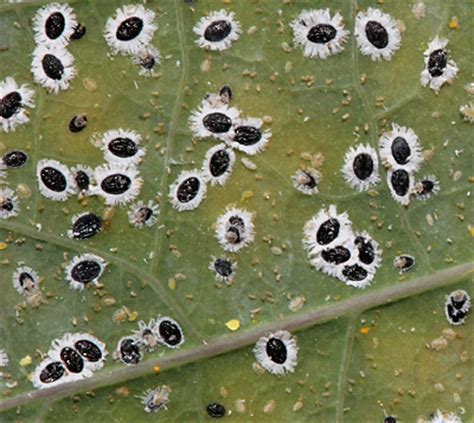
[
  {"x": 163, "y": 331},
  {"x": 72, "y": 357},
  {"x": 336, "y": 250}
]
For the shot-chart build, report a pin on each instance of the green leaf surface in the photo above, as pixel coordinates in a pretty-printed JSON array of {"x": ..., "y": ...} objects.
[{"x": 306, "y": 103}]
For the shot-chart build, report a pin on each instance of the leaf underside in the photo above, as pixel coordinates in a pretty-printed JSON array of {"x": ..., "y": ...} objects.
[{"x": 343, "y": 373}]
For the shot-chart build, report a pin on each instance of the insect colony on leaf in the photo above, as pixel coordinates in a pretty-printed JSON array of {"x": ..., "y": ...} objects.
[{"x": 333, "y": 247}]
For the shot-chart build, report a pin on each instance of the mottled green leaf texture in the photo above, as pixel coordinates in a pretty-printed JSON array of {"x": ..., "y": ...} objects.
[{"x": 364, "y": 354}]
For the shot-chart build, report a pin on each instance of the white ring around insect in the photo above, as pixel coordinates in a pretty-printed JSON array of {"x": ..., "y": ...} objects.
[
  {"x": 131, "y": 29},
  {"x": 404, "y": 192},
  {"x": 248, "y": 136},
  {"x": 319, "y": 34},
  {"x": 235, "y": 229},
  {"x": 19, "y": 284},
  {"x": 400, "y": 148},
  {"x": 203, "y": 125},
  {"x": 291, "y": 351},
  {"x": 172, "y": 342},
  {"x": 356, "y": 274},
  {"x": 420, "y": 189},
  {"x": 317, "y": 238},
  {"x": 194, "y": 191},
  {"x": 63, "y": 378},
  {"x": 218, "y": 173},
  {"x": 447, "y": 74},
  {"x": 63, "y": 184},
  {"x": 53, "y": 68},
  {"x": 49, "y": 14},
  {"x": 143, "y": 214},
  {"x": 83, "y": 336},
  {"x": 217, "y": 31},
  {"x": 380, "y": 23},
  {"x": 9, "y": 204},
  {"x": 16, "y": 115},
  {"x": 132, "y": 140},
  {"x": 93, "y": 278},
  {"x": 361, "y": 167},
  {"x": 117, "y": 192},
  {"x": 148, "y": 58}
]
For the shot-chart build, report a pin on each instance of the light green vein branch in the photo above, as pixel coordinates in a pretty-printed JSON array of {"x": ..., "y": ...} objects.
[{"x": 245, "y": 338}]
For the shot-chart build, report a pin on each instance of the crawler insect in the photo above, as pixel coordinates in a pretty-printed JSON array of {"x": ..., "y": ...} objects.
[
  {"x": 85, "y": 226},
  {"x": 217, "y": 31},
  {"x": 223, "y": 268},
  {"x": 82, "y": 176},
  {"x": 156, "y": 399},
  {"x": 377, "y": 34},
  {"x": 148, "y": 58},
  {"x": 425, "y": 188},
  {"x": 9, "y": 205},
  {"x": 457, "y": 307},
  {"x": 131, "y": 29},
  {"x": 403, "y": 263},
  {"x": 307, "y": 181},
  {"x": 54, "y": 25},
  {"x": 277, "y": 352},
  {"x": 14, "y": 100},
  {"x": 439, "y": 68},
  {"x": 319, "y": 34},
  {"x": 235, "y": 229},
  {"x": 145, "y": 335},
  {"x": 53, "y": 68},
  {"x": 143, "y": 214},
  {"x": 26, "y": 281},
  {"x": 215, "y": 410},
  {"x": 13, "y": 160}
]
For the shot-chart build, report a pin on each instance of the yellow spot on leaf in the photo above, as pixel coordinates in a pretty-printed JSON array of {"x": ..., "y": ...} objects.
[
  {"x": 454, "y": 23},
  {"x": 471, "y": 230},
  {"x": 157, "y": 369},
  {"x": 3, "y": 246},
  {"x": 26, "y": 361},
  {"x": 233, "y": 325},
  {"x": 364, "y": 330}
]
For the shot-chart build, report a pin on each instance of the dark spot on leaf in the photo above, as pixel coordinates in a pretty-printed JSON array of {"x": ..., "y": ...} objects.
[
  {"x": 328, "y": 231},
  {"x": 215, "y": 410},
  {"x": 129, "y": 29},
  {"x": 223, "y": 267},
  {"x": 336, "y": 255},
  {"x": 188, "y": 190},
  {"x": 217, "y": 31},
  {"x": 170, "y": 332},
  {"x": 247, "y": 135},
  {"x": 123, "y": 147},
  {"x": 53, "y": 179},
  {"x": 217, "y": 123},
  {"x": 219, "y": 163},
  {"x": 79, "y": 32},
  {"x": 437, "y": 62},
  {"x": 55, "y": 25},
  {"x": 400, "y": 150},
  {"x": 15, "y": 159},
  {"x": 321, "y": 33},
  {"x": 10, "y": 104},
  {"x": 86, "y": 271},
  {"x": 376, "y": 34},
  {"x": 400, "y": 180},
  {"x": 276, "y": 350},
  {"x": 366, "y": 250},
  {"x": 52, "y": 67},
  {"x": 73, "y": 361},
  {"x": 354, "y": 273},
  {"x": 116, "y": 184},
  {"x": 363, "y": 166},
  {"x": 82, "y": 180},
  {"x": 130, "y": 351},
  {"x": 78, "y": 123},
  {"x": 86, "y": 226},
  {"x": 52, "y": 372},
  {"x": 88, "y": 350}
]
